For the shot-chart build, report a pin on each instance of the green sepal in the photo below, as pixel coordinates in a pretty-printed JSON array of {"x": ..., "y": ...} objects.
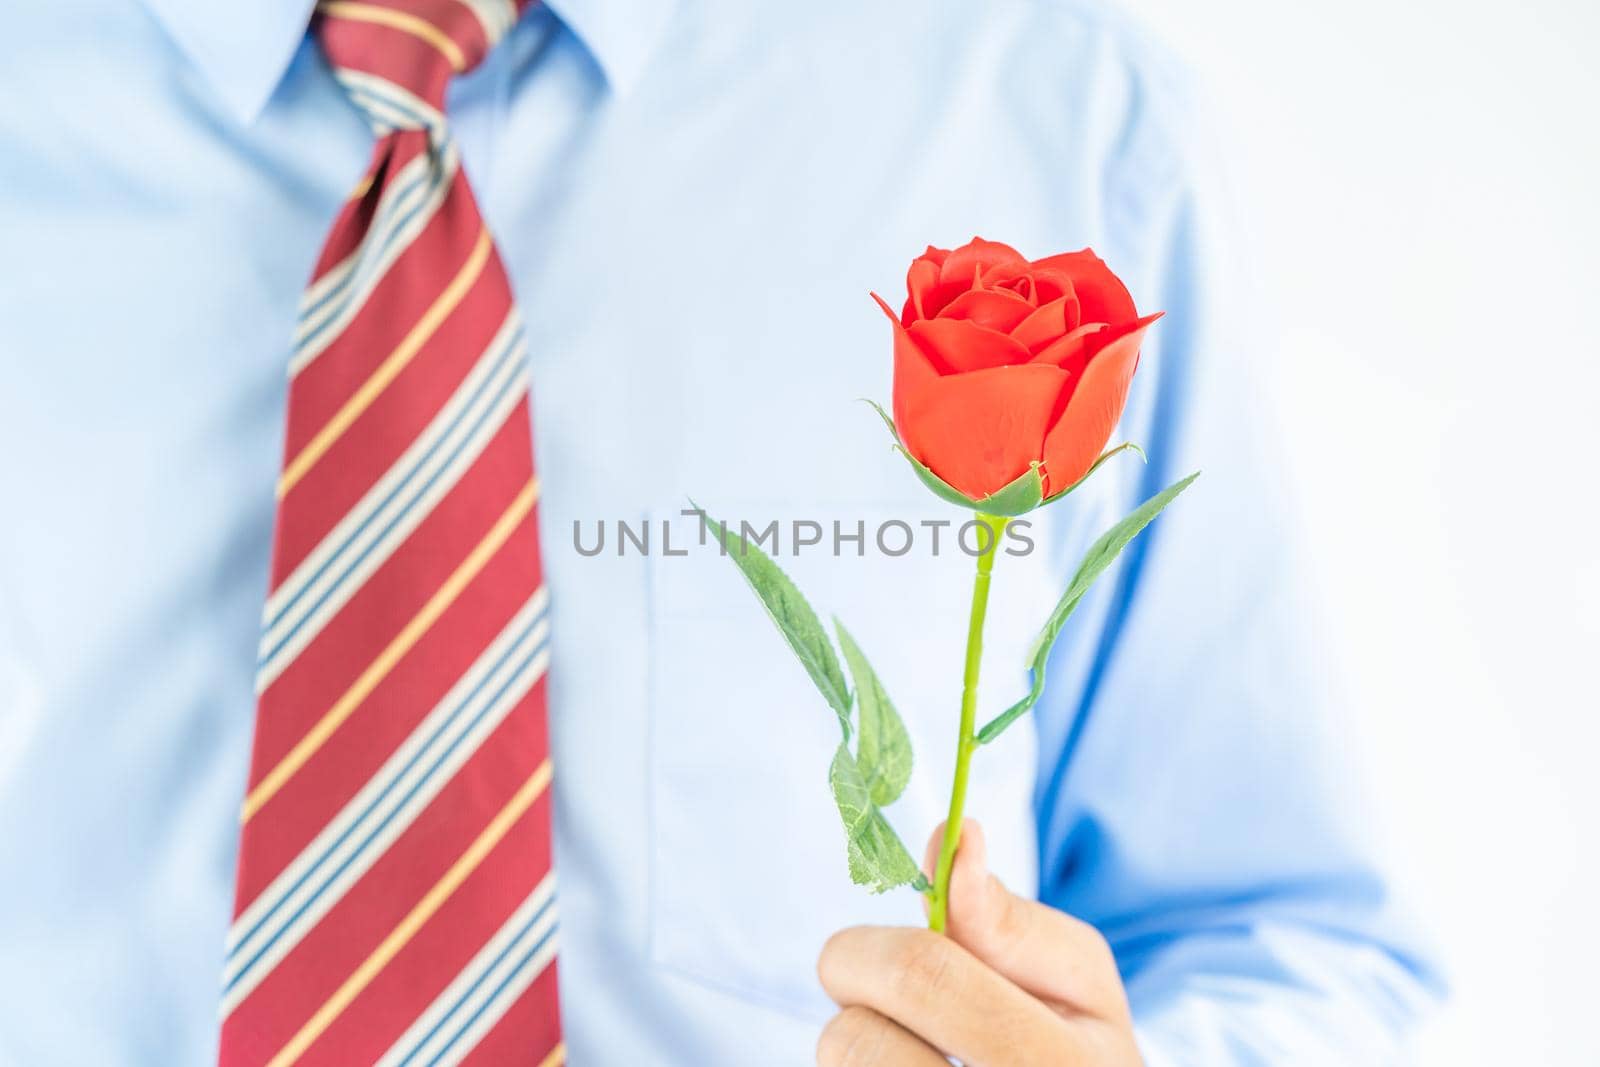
[
  {"x": 1100, "y": 556},
  {"x": 1018, "y": 497},
  {"x": 1126, "y": 446},
  {"x": 878, "y": 859},
  {"x": 883, "y": 747},
  {"x": 788, "y": 609}
]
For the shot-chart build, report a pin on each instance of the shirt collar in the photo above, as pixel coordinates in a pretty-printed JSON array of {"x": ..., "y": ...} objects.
[
  {"x": 244, "y": 49},
  {"x": 621, "y": 34}
]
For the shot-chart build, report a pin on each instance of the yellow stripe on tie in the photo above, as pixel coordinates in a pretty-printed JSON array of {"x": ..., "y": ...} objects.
[
  {"x": 390, "y": 368},
  {"x": 403, "y": 21},
  {"x": 557, "y": 1057},
  {"x": 392, "y": 654},
  {"x": 459, "y": 871}
]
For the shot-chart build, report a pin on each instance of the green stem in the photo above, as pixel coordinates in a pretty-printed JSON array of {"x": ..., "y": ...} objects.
[{"x": 968, "y": 741}]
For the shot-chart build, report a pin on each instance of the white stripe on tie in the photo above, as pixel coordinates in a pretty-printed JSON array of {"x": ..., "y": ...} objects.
[
  {"x": 392, "y": 105},
  {"x": 309, "y": 887},
  {"x": 397, "y": 197},
  {"x": 495, "y": 16},
  {"x": 334, "y": 571},
  {"x": 333, "y": 302},
  {"x": 474, "y": 1001}
]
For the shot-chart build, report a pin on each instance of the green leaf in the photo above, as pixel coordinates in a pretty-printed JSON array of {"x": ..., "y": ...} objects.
[
  {"x": 787, "y": 608},
  {"x": 1018, "y": 497},
  {"x": 1101, "y": 555},
  {"x": 883, "y": 751},
  {"x": 878, "y": 858}
]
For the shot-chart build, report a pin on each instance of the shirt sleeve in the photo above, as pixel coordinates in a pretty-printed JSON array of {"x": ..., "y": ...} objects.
[{"x": 1196, "y": 797}]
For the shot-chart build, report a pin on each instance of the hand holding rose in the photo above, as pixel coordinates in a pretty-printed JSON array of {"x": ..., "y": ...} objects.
[
  {"x": 1015, "y": 984},
  {"x": 1010, "y": 376}
]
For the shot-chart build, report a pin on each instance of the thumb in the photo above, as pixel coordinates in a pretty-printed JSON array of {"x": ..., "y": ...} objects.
[
  {"x": 1057, "y": 958},
  {"x": 974, "y": 892}
]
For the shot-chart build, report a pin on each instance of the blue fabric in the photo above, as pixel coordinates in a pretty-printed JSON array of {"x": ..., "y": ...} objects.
[{"x": 693, "y": 199}]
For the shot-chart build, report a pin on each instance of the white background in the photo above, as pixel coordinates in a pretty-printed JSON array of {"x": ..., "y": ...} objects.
[{"x": 1424, "y": 180}]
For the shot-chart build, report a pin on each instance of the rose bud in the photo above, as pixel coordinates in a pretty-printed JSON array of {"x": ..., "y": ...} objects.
[{"x": 1010, "y": 375}]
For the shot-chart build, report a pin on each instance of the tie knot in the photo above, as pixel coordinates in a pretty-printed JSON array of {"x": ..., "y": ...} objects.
[{"x": 396, "y": 57}]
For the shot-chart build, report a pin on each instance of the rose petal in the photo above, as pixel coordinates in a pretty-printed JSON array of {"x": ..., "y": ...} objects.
[
  {"x": 997, "y": 309},
  {"x": 920, "y": 280},
  {"x": 912, "y": 371},
  {"x": 1011, "y": 274},
  {"x": 1044, "y": 325},
  {"x": 1051, "y": 285},
  {"x": 980, "y": 431},
  {"x": 1021, "y": 285},
  {"x": 1070, "y": 351},
  {"x": 1102, "y": 295},
  {"x": 1093, "y": 406},
  {"x": 964, "y": 264},
  {"x": 936, "y": 297},
  {"x": 958, "y": 345},
  {"x": 1103, "y": 338}
]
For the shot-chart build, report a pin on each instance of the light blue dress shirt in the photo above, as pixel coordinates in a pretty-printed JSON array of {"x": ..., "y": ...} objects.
[{"x": 693, "y": 199}]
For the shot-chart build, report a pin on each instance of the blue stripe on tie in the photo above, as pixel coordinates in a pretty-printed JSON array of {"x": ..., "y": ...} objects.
[
  {"x": 483, "y": 976},
  {"x": 367, "y": 92},
  {"x": 384, "y": 92},
  {"x": 412, "y": 762},
  {"x": 333, "y": 876},
  {"x": 390, "y": 231},
  {"x": 511, "y": 382},
  {"x": 497, "y": 362},
  {"x": 344, "y": 288},
  {"x": 391, "y": 209},
  {"x": 521, "y": 668},
  {"x": 522, "y": 963}
]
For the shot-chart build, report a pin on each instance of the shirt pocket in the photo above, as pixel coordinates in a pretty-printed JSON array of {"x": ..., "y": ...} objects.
[{"x": 748, "y": 870}]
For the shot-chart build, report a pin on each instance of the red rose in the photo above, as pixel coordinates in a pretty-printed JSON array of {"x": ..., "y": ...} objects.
[{"x": 1002, "y": 366}]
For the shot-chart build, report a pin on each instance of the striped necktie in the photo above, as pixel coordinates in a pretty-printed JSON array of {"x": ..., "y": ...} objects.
[{"x": 395, "y": 899}]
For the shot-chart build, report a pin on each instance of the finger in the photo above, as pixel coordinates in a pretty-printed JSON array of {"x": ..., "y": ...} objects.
[
  {"x": 860, "y": 1037},
  {"x": 1043, "y": 950},
  {"x": 942, "y": 993}
]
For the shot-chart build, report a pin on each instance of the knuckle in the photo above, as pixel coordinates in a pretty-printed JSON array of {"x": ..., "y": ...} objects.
[
  {"x": 827, "y": 959},
  {"x": 1098, "y": 947},
  {"x": 926, "y": 966},
  {"x": 1011, "y": 926},
  {"x": 852, "y": 1038},
  {"x": 1099, "y": 956}
]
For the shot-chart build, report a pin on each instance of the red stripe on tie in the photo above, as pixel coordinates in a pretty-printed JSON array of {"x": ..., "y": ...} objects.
[
  {"x": 389, "y": 312},
  {"x": 386, "y": 429},
  {"x": 348, "y": 934},
  {"x": 528, "y": 1031},
  {"x": 431, "y": 960},
  {"x": 385, "y": 605},
  {"x": 392, "y": 54},
  {"x": 454, "y": 19},
  {"x": 319, "y": 789},
  {"x": 376, "y": 615},
  {"x": 350, "y": 227}
]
